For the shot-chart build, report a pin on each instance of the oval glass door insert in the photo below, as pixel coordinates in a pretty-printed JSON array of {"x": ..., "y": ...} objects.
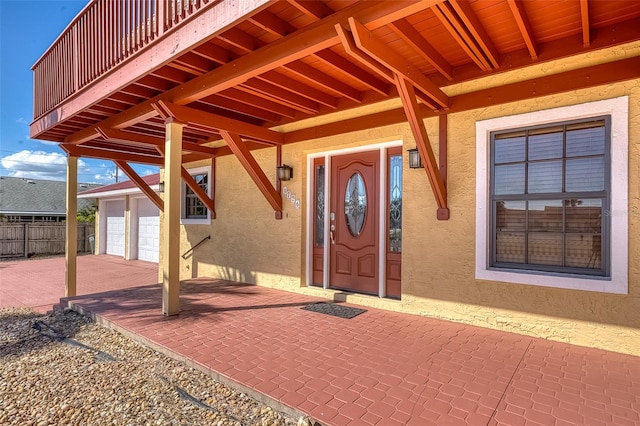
[{"x": 355, "y": 204}]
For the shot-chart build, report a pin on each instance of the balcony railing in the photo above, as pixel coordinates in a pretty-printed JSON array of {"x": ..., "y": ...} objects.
[{"x": 104, "y": 34}]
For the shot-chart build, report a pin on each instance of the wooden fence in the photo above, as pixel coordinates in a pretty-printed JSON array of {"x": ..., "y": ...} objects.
[{"x": 42, "y": 238}]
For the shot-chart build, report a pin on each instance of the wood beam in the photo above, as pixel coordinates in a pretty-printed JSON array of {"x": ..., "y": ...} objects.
[
  {"x": 339, "y": 63},
  {"x": 243, "y": 94},
  {"x": 586, "y": 28},
  {"x": 280, "y": 95},
  {"x": 253, "y": 168},
  {"x": 597, "y": 75},
  {"x": 370, "y": 44},
  {"x": 240, "y": 107},
  {"x": 414, "y": 39},
  {"x": 324, "y": 80},
  {"x": 517, "y": 8},
  {"x": 450, "y": 22},
  {"x": 411, "y": 109},
  {"x": 302, "y": 89},
  {"x": 472, "y": 23},
  {"x": 103, "y": 154},
  {"x": 121, "y": 135},
  {"x": 312, "y": 8},
  {"x": 71, "y": 228},
  {"x": 349, "y": 45},
  {"x": 171, "y": 220},
  {"x": 141, "y": 184},
  {"x": 203, "y": 196},
  {"x": 206, "y": 120},
  {"x": 317, "y": 36}
]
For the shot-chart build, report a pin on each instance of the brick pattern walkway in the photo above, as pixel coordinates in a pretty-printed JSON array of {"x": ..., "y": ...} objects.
[
  {"x": 39, "y": 283},
  {"x": 379, "y": 368}
]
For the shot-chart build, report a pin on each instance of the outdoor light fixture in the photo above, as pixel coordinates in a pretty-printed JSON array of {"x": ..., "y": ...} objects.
[
  {"x": 415, "y": 162},
  {"x": 284, "y": 172},
  {"x": 161, "y": 187}
]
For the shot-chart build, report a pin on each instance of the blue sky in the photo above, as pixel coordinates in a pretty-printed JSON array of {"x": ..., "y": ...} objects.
[{"x": 27, "y": 29}]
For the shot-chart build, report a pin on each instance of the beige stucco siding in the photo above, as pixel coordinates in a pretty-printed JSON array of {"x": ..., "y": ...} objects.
[{"x": 438, "y": 277}]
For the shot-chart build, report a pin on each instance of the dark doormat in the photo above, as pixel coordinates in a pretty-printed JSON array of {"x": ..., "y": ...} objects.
[{"x": 334, "y": 309}]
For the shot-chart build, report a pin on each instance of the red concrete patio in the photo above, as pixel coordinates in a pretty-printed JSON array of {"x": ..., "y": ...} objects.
[
  {"x": 379, "y": 368},
  {"x": 39, "y": 283}
]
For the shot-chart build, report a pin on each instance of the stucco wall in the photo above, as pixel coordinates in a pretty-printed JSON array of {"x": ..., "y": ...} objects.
[{"x": 247, "y": 244}]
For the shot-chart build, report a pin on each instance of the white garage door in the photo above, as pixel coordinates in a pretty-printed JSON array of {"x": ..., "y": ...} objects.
[
  {"x": 148, "y": 230},
  {"x": 115, "y": 227}
]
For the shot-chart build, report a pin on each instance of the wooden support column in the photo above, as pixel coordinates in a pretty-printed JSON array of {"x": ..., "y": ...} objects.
[
  {"x": 171, "y": 223},
  {"x": 71, "y": 238}
]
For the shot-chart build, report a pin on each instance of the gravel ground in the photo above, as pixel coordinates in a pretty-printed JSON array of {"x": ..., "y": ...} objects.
[{"x": 99, "y": 377}]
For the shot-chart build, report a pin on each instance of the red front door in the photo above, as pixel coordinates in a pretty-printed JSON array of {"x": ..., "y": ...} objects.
[{"x": 354, "y": 222}]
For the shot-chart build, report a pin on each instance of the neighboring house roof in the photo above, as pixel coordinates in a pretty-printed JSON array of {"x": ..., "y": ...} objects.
[
  {"x": 37, "y": 196},
  {"x": 120, "y": 188}
]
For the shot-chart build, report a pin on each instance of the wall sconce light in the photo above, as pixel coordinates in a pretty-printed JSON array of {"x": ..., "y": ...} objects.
[
  {"x": 161, "y": 187},
  {"x": 284, "y": 172},
  {"x": 415, "y": 162}
]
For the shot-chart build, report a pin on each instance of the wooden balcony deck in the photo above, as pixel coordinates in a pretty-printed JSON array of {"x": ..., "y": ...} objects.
[{"x": 253, "y": 67}]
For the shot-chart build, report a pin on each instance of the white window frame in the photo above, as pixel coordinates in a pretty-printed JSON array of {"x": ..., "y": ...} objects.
[
  {"x": 618, "y": 281},
  {"x": 183, "y": 192}
]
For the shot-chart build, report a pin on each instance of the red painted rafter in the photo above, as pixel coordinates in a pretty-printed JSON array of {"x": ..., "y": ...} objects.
[
  {"x": 597, "y": 75},
  {"x": 412, "y": 111},
  {"x": 277, "y": 94},
  {"x": 312, "y": 8},
  {"x": 205, "y": 120},
  {"x": 586, "y": 28},
  {"x": 140, "y": 183},
  {"x": 252, "y": 167},
  {"x": 349, "y": 69},
  {"x": 203, "y": 196},
  {"x": 471, "y": 22},
  {"x": 103, "y": 154},
  {"x": 414, "y": 39},
  {"x": 248, "y": 97},
  {"x": 517, "y": 8},
  {"x": 240, "y": 107},
  {"x": 352, "y": 50},
  {"x": 326, "y": 81},
  {"x": 313, "y": 38},
  {"x": 371, "y": 45},
  {"x": 302, "y": 89}
]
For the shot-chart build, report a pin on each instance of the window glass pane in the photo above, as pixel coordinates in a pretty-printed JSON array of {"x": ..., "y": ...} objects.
[
  {"x": 545, "y": 143},
  {"x": 585, "y": 139},
  {"x": 509, "y": 179},
  {"x": 510, "y": 247},
  {"x": 585, "y": 174},
  {"x": 583, "y": 216},
  {"x": 355, "y": 204},
  {"x": 509, "y": 148},
  {"x": 395, "y": 203},
  {"x": 584, "y": 251},
  {"x": 510, "y": 215},
  {"x": 195, "y": 208},
  {"x": 545, "y": 216},
  {"x": 319, "y": 218},
  {"x": 510, "y": 227},
  {"x": 545, "y": 248},
  {"x": 545, "y": 176}
]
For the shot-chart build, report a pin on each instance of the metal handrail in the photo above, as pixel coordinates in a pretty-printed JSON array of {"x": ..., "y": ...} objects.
[{"x": 188, "y": 252}]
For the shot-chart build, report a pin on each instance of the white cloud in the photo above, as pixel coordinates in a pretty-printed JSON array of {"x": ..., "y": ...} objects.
[
  {"x": 38, "y": 165},
  {"x": 21, "y": 120}
]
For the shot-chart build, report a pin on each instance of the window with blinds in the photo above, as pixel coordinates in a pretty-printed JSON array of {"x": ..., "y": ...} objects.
[{"x": 550, "y": 197}]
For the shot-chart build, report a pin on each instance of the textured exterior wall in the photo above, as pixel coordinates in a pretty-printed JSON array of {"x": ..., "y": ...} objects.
[{"x": 248, "y": 244}]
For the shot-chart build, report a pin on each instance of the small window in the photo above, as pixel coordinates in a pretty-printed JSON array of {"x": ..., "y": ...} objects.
[
  {"x": 195, "y": 208},
  {"x": 550, "y": 191},
  {"x": 194, "y": 211}
]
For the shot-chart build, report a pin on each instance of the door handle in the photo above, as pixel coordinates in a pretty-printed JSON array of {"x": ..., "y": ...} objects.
[{"x": 333, "y": 241}]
